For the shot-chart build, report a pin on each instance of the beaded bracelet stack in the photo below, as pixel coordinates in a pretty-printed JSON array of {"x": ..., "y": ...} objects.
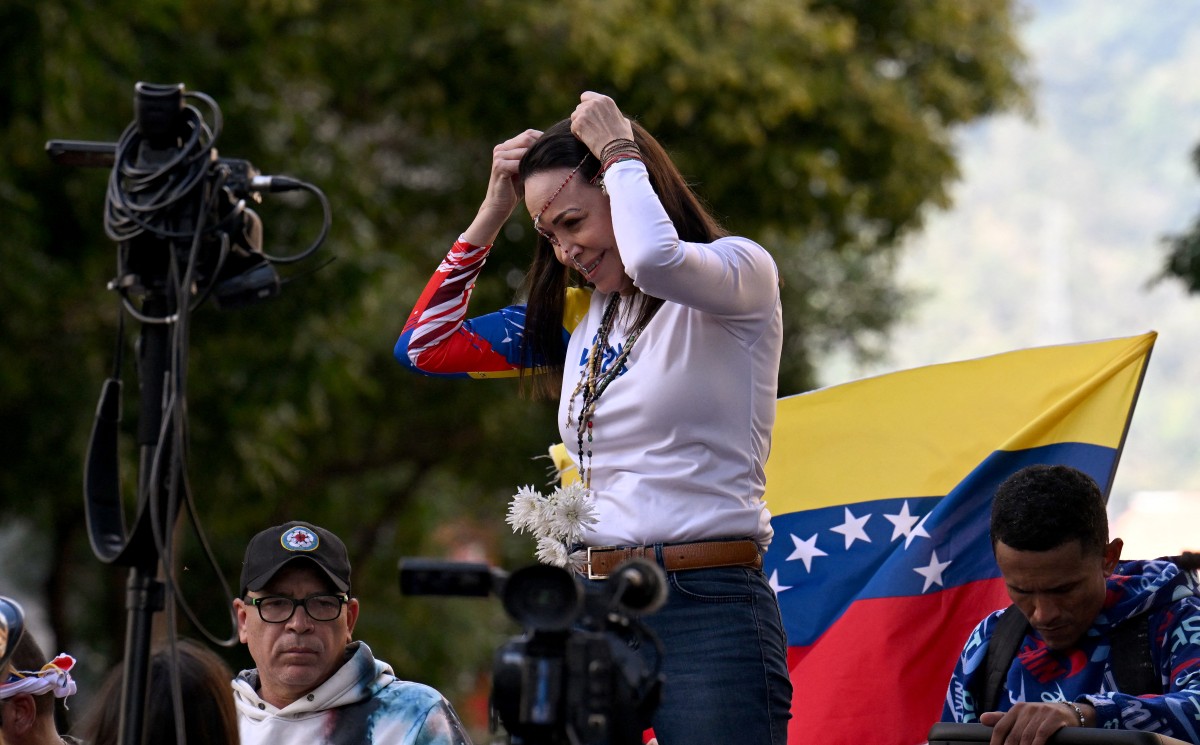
[{"x": 618, "y": 150}]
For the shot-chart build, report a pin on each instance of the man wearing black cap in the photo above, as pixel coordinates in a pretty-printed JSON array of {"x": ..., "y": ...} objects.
[{"x": 313, "y": 684}]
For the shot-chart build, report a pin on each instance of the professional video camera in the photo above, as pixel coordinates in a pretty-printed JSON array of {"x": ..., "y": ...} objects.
[
  {"x": 169, "y": 188},
  {"x": 184, "y": 231},
  {"x": 575, "y": 677}
]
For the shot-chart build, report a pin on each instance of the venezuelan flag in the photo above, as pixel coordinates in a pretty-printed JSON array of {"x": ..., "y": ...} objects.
[{"x": 881, "y": 491}]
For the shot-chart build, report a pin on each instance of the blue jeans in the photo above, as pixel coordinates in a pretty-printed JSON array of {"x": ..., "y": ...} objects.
[{"x": 726, "y": 677}]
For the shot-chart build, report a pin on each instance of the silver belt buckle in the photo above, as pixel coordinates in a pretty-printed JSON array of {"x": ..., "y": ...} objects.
[{"x": 590, "y": 549}]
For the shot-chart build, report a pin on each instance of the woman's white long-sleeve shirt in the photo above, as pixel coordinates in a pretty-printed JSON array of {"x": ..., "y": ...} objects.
[{"x": 681, "y": 437}]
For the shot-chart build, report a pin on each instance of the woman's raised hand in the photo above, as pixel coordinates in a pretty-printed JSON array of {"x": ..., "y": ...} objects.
[
  {"x": 504, "y": 189},
  {"x": 597, "y": 121}
]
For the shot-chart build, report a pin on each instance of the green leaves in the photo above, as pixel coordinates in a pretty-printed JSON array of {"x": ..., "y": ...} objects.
[{"x": 1183, "y": 251}]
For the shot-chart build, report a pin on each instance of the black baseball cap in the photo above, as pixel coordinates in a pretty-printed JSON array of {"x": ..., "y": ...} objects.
[{"x": 268, "y": 551}]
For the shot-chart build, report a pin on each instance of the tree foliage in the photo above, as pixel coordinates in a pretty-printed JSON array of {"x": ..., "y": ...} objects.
[
  {"x": 821, "y": 129},
  {"x": 1183, "y": 250}
]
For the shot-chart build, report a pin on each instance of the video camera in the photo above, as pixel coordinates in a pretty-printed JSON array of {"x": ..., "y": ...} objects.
[
  {"x": 169, "y": 188},
  {"x": 576, "y": 675}
]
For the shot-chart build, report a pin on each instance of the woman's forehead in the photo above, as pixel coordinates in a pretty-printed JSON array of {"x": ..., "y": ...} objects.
[
  {"x": 553, "y": 202},
  {"x": 544, "y": 189}
]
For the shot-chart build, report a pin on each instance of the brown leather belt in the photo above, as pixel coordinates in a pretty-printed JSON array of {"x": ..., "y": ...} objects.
[{"x": 603, "y": 560}]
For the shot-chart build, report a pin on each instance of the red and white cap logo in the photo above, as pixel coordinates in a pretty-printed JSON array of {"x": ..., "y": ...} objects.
[{"x": 300, "y": 539}]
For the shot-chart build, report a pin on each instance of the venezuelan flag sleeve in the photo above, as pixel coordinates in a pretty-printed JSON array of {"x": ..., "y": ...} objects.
[
  {"x": 439, "y": 339},
  {"x": 881, "y": 490}
]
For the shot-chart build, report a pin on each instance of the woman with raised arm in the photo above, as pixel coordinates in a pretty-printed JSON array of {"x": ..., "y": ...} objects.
[{"x": 662, "y": 334}]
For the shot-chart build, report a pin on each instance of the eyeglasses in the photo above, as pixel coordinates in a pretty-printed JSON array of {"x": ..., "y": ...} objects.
[{"x": 278, "y": 609}]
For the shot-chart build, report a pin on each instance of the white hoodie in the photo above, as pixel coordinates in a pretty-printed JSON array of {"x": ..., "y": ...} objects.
[{"x": 363, "y": 703}]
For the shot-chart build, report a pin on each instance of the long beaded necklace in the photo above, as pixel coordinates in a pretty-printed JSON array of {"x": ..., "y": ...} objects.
[{"x": 593, "y": 381}]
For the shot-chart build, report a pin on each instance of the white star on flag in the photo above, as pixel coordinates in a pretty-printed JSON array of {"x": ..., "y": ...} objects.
[
  {"x": 805, "y": 551},
  {"x": 854, "y": 528},
  {"x": 774, "y": 582},
  {"x": 904, "y": 525},
  {"x": 933, "y": 572},
  {"x": 918, "y": 531}
]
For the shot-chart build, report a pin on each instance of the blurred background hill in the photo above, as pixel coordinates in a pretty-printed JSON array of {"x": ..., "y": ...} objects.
[{"x": 1056, "y": 235}]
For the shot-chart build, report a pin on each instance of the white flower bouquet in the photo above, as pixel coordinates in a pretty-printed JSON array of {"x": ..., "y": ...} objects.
[{"x": 558, "y": 521}]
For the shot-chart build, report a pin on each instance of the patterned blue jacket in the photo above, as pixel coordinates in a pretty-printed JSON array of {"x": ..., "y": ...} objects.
[{"x": 1084, "y": 673}]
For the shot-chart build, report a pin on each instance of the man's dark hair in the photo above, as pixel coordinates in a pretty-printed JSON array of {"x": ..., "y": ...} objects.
[{"x": 1043, "y": 507}]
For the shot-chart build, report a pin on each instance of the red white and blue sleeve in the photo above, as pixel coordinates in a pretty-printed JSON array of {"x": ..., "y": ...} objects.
[{"x": 438, "y": 339}]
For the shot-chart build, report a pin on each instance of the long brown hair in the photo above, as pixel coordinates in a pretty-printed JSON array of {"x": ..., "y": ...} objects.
[
  {"x": 547, "y": 280},
  {"x": 208, "y": 708}
]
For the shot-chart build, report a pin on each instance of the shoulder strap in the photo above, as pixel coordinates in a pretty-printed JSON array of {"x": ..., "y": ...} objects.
[
  {"x": 1132, "y": 664},
  {"x": 1011, "y": 628}
]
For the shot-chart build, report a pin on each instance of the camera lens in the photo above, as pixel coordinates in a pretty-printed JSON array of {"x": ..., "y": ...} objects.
[{"x": 543, "y": 598}]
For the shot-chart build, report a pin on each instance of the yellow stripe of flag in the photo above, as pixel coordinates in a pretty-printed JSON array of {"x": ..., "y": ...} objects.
[{"x": 839, "y": 445}]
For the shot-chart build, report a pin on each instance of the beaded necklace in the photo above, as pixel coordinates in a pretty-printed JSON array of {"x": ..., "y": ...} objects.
[{"x": 593, "y": 381}]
